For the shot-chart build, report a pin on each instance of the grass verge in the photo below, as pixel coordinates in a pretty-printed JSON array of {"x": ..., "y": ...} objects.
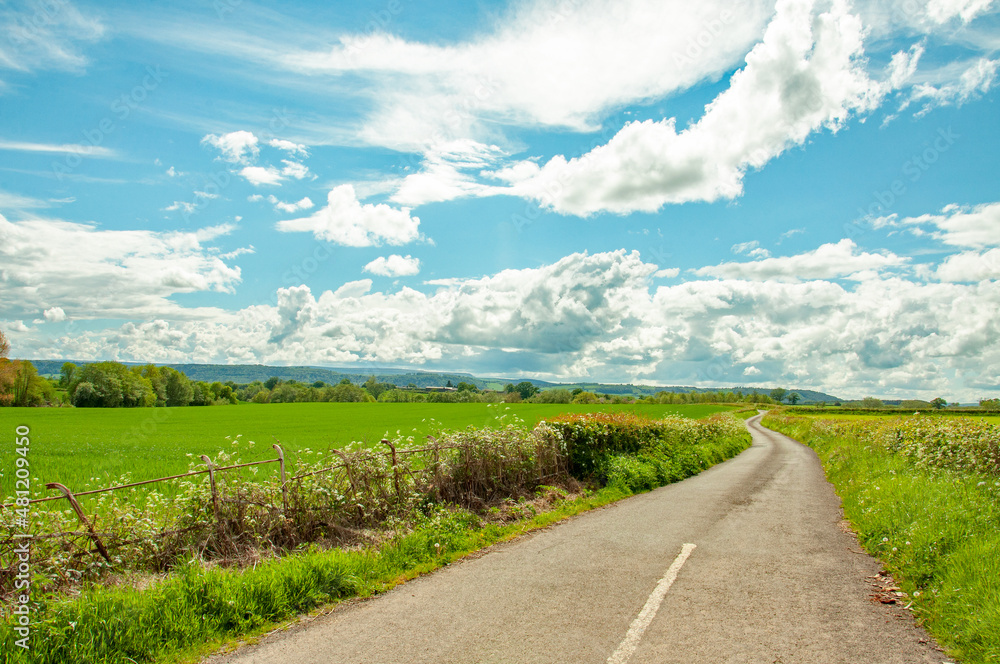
[{"x": 936, "y": 529}]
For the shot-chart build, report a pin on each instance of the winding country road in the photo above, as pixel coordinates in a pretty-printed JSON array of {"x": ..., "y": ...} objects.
[{"x": 747, "y": 562}]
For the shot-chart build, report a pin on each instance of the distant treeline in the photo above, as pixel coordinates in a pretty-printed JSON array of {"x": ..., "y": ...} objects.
[{"x": 115, "y": 385}]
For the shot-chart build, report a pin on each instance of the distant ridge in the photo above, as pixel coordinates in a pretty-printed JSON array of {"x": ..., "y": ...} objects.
[{"x": 248, "y": 373}]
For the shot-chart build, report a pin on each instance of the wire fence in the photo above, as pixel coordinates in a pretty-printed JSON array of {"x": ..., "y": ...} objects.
[{"x": 225, "y": 516}]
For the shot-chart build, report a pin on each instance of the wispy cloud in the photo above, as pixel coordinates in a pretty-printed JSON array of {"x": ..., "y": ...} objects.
[
  {"x": 9, "y": 201},
  {"x": 63, "y": 148},
  {"x": 38, "y": 35}
]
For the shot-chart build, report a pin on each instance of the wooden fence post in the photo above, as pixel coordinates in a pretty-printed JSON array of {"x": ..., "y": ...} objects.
[
  {"x": 83, "y": 519},
  {"x": 215, "y": 494},
  {"x": 437, "y": 466},
  {"x": 395, "y": 470},
  {"x": 350, "y": 479},
  {"x": 284, "y": 482}
]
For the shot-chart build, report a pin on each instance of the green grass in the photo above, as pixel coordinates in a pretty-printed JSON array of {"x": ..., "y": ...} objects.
[
  {"x": 89, "y": 448},
  {"x": 936, "y": 530}
]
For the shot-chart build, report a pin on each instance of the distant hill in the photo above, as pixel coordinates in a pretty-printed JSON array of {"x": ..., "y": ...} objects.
[{"x": 248, "y": 373}]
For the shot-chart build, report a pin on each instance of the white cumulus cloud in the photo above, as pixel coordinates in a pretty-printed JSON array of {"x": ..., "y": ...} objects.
[
  {"x": 289, "y": 147},
  {"x": 237, "y": 147},
  {"x": 602, "y": 317},
  {"x": 751, "y": 249},
  {"x": 346, "y": 221},
  {"x": 959, "y": 226},
  {"x": 970, "y": 266},
  {"x": 79, "y": 271},
  {"x": 830, "y": 261},
  {"x": 394, "y": 266},
  {"x": 806, "y": 74}
]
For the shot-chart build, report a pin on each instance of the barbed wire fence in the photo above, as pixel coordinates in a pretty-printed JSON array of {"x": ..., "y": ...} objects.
[{"x": 216, "y": 515}]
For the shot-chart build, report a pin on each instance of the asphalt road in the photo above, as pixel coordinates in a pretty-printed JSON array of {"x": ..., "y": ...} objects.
[{"x": 747, "y": 562}]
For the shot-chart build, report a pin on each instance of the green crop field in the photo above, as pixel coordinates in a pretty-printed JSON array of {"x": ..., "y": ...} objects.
[{"x": 88, "y": 448}]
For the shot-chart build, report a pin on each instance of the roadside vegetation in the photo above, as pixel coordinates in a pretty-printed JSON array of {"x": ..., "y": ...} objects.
[
  {"x": 88, "y": 448},
  {"x": 243, "y": 564},
  {"x": 923, "y": 494}
]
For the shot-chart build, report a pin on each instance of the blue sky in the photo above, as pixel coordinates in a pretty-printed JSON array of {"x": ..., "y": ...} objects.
[{"x": 794, "y": 193}]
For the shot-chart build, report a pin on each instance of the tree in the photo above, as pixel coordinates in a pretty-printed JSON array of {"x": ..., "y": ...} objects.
[
  {"x": 105, "y": 385},
  {"x": 272, "y": 382},
  {"x": 375, "y": 388},
  {"x": 939, "y": 403},
  {"x": 793, "y": 398},
  {"x": 989, "y": 404},
  {"x": 555, "y": 395},
  {"x": 872, "y": 403},
  {"x": 8, "y": 372},
  {"x": 525, "y": 389},
  {"x": 66, "y": 374},
  {"x": 158, "y": 379},
  {"x": 345, "y": 392},
  {"x": 285, "y": 393},
  {"x": 23, "y": 382},
  {"x": 177, "y": 388},
  {"x": 778, "y": 394},
  {"x": 227, "y": 394},
  {"x": 203, "y": 393},
  {"x": 137, "y": 391},
  {"x": 85, "y": 396},
  {"x": 111, "y": 385}
]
